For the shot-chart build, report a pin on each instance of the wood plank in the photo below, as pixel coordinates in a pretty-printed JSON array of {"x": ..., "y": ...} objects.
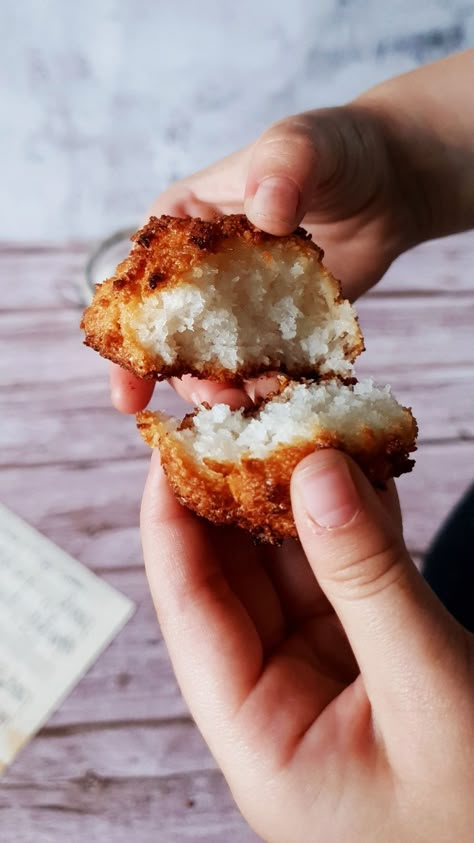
[
  {"x": 132, "y": 681},
  {"x": 45, "y": 347},
  {"x": 44, "y": 424},
  {"x": 42, "y": 277},
  {"x": 195, "y": 807},
  {"x": 158, "y": 748},
  {"x": 439, "y": 266},
  {"x": 404, "y": 335},
  {"x": 442, "y": 401},
  {"x": 443, "y": 472},
  {"x": 92, "y": 511},
  {"x": 47, "y": 277}
]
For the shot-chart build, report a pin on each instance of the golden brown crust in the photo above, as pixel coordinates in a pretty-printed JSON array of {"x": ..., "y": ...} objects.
[
  {"x": 255, "y": 494},
  {"x": 164, "y": 249}
]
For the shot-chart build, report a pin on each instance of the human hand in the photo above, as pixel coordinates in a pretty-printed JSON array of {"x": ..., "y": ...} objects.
[
  {"x": 267, "y": 645},
  {"x": 330, "y": 169},
  {"x": 369, "y": 180}
]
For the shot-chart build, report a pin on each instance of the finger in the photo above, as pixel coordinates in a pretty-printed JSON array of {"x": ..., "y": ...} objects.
[
  {"x": 213, "y": 644},
  {"x": 261, "y": 387},
  {"x": 246, "y": 707},
  {"x": 299, "y": 591},
  {"x": 308, "y": 610},
  {"x": 288, "y": 162},
  {"x": 217, "y": 189},
  {"x": 198, "y": 391},
  {"x": 395, "y": 625},
  {"x": 129, "y": 394},
  {"x": 391, "y": 503},
  {"x": 181, "y": 201},
  {"x": 248, "y": 578}
]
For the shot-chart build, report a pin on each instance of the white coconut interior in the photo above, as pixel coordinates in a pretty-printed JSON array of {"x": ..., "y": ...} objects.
[
  {"x": 300, "y": 412},
  {"x": 251, "y": 305}
]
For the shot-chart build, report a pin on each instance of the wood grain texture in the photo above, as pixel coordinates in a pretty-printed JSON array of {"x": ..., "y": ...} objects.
[
  {"x": 121, "y": 759},
  {"x": 439, "y": 266},
  {"x": 169, "y": 809},
  {"x": 115, "y": 750}
]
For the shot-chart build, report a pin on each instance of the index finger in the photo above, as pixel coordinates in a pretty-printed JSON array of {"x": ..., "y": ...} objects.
[
  {"x": 129, "y": 394},
  {"x": 198, "y": 391}
]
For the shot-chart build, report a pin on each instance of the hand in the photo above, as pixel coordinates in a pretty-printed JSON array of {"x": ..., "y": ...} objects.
[
  {"x": 369, "y": 180},
  {"x": 330, "y": 169},
  {"x": 332, "y": 687}
]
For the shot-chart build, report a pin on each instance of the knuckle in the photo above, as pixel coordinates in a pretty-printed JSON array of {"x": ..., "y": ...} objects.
[
  {"x": 289, "y": 137},
  {"x": 369, "y": 575}
]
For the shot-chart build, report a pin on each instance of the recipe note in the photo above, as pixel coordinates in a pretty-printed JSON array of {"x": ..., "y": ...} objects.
[{"x": 56, "y": 616}]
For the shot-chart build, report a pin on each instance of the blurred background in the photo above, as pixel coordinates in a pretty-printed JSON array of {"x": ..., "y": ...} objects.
[{"x": 104, "y": 104}]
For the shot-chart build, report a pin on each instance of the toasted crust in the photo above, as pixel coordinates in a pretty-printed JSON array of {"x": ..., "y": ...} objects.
[
  {"x": 254, "y": 494},
  {"x": 164, "y": 250}
]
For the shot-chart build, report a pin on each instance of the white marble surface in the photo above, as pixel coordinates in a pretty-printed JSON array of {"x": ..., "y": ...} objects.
[{"x": 105, "y": 102}]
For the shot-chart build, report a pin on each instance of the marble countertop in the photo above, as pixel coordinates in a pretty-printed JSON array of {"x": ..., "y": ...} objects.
[{"x": 105, "y": 104}]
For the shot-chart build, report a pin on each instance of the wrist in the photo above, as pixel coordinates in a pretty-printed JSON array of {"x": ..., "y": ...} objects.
[{"x": 428, "y": 133}]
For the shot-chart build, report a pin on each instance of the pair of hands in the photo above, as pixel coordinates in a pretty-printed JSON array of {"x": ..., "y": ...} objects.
[{"x": 332, "y": 687}]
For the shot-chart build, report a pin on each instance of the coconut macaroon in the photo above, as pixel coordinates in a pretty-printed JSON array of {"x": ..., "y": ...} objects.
[
  {"x": 223, "y": 300},
  {"x": 234, "y": 467}
]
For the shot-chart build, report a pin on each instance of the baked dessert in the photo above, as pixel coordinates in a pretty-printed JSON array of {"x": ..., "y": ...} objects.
[
  {"x": 235, "y": 466},
  {"x": 225, "y": 301}
]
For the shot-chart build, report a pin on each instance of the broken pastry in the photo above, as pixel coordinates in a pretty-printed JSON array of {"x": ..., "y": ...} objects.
[
  {"x": 225, "y": 301},
  {"x": 235, "y": 466}
]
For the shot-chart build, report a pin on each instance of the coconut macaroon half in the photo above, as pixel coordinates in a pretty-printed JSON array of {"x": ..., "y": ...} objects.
[
  {"x": 223, "y": 300},
  {"x": 234, "y": 466}
]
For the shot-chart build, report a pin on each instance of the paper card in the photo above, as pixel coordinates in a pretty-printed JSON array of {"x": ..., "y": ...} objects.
[{"x": 56, "y": 617}]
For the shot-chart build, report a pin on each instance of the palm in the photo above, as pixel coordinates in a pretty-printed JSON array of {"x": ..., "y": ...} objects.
[
  {"x": 358, "y": 249},
  {"x": 356, "y": 222},
  {"x": 356, "y": 217},
  {"x": 285, "y": 624},
  {"x": 278, "y": 672}
]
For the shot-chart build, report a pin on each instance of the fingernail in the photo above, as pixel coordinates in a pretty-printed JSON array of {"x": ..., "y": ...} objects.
[
  {"x": 234, "y": 397},
  {"x": 327, "y": 491},
  {"x": 276, "y": 199}
]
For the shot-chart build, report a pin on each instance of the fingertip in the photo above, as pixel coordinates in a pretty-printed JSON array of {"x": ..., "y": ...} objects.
[
  {"x": 128, "y": 393},
  {"x": 323, "y": 488},
  {"x": 198, "y": 391},
  {"x": 260, "y": 388},
  {"x": 319, "y": 459},
  {"x": 156, "y": 467},
  {"x": 234, "y": 397},
  {"x": 181, "y": 201},
  {"x": 158, "y": 502},
  {"x": 273, "y": 205},
  {"x": 154, "y": 478}
]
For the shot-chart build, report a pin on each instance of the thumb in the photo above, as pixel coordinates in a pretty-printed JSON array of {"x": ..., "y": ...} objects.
[
  {"x": 316, "y": 158},
  {"x": 398, "y": 630}
]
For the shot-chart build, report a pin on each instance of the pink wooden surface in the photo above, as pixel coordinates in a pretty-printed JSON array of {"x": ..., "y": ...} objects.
[{"x": 121, "y": 759}]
